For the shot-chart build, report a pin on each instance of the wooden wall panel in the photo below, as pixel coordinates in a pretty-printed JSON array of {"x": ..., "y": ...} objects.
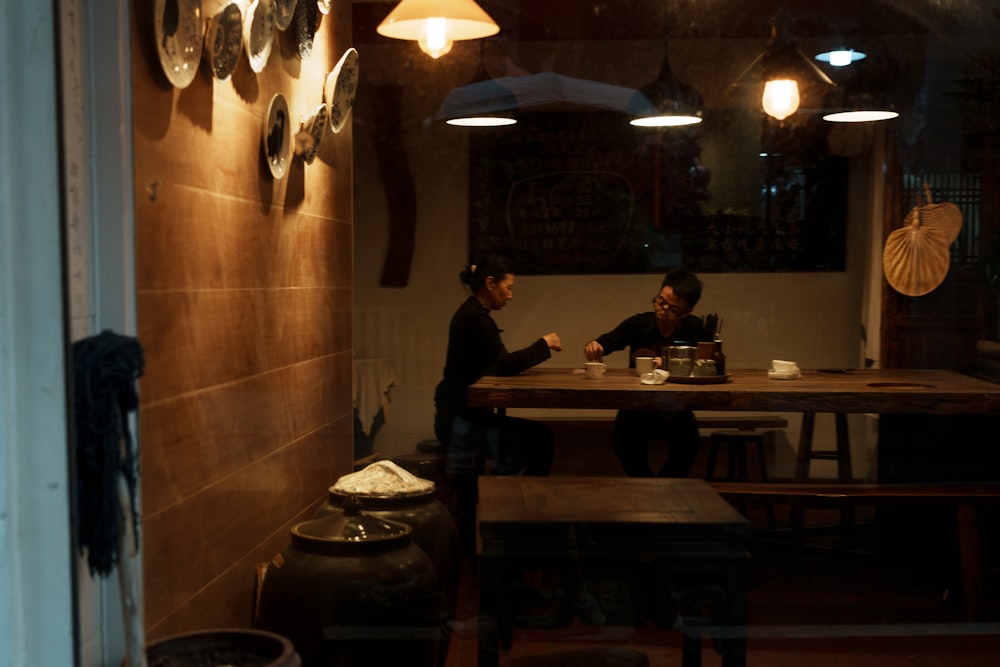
[
  {"x": 244, "y": 302},
  {"x": 195, "y": 439},
  {"x": 197, "y": 339},
  {"x": 197, "y": 238},
  {"x": 196, "y": 541}
]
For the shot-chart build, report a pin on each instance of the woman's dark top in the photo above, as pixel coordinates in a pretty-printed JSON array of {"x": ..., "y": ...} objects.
[
  {"x": 640, "y": 332},
  {"x": 475, "y": 350}
]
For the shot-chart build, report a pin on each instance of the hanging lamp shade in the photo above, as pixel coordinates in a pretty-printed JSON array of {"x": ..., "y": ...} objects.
[
  {"x": 436, "y": 24},
  {"x": 864, "y": 96},
  {"x": 491, "y": 105},
  {"x": 672, "y": 103},
  {"x": 786, "y": 71}
]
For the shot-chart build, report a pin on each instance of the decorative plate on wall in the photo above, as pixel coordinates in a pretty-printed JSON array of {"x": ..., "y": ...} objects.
[
  {"x": 179, "y": 29},
  {"x": 305, "y": 21},
  {"x": 341, "y": 86},
  {"x": 224, "y": 41},
  {"x": 311, "y": 133},
  {"x": 258, "y": 33},
  {"x": 283, "y": 12},
  {"x": 277, "y": 136}
]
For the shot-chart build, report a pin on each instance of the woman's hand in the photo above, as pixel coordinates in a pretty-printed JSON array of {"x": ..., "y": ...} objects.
[
  {"x": 594, "y": 351},
  {"x": 552, "y": 340}
]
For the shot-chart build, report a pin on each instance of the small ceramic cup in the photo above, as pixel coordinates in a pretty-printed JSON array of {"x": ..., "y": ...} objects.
[
  {"x": 594, "y": 370},
  {"x": 644, "y": 365}
]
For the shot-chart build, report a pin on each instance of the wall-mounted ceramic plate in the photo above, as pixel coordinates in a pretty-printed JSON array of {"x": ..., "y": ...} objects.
[
  {"x": 277, "y": 136},
  {"x": 179, "y": 29},
  {"x": 311, "y": 133},
  {"x": 224, "y": 41},
  {"x": 283, "y": 12},
  {"x": 258, "y": 33},
  {"x": 304, "y": 24},
  {"x": 341, "y": 86}
]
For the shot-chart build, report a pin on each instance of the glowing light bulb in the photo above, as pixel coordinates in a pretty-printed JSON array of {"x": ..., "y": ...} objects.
[
  {"x": 780, "y": 98},
  {"x": 434, "y": 41}
]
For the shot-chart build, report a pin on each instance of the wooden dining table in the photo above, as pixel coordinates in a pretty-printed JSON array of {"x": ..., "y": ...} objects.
[
  {"x": 840, "y": 391},
  {"x": 897, "y": 391}
]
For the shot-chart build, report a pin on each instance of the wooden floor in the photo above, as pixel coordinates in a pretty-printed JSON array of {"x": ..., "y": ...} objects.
[{"x": 888, "y": 596}]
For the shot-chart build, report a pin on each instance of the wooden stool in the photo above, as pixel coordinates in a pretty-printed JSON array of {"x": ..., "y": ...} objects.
[
  {"x": 842, "y": 454},
  {"x": 429, "y": 462},
  {"x": 587, "y": 657},
  {"x": 806, "y": 455},
  {"x": 736, "y": 442}
]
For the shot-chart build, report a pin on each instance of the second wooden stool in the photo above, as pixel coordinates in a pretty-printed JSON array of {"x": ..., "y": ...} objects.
[{"x": 737, "y": 441}]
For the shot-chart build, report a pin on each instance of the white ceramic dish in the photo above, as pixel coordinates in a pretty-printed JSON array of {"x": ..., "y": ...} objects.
[
  {"x": 656, "y": 376},
  {"x": 784, "y": 375},
  {"x": 784, "y": 366},
  {"x": 277, "y": 136},
  {"x": 179, "y": 28},
  {"x": 311, "y": 133},
  {"x": 283, "y": 12},
  {"x": 224, "y": 41},
  {"x": 340, "y": 89},
  {"x": 258, "y": 33}
]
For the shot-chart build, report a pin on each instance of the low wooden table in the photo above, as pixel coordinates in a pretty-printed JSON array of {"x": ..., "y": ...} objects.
[{"x": 678, "y": 524}]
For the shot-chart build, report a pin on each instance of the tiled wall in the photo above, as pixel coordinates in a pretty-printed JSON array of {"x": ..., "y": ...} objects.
[{"x": 244, "y": 298}]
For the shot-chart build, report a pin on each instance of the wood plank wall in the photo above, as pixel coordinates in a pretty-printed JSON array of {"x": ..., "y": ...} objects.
[{"x": 244, "y": 301}]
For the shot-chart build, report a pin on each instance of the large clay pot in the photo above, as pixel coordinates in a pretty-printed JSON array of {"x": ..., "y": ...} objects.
[
  {"x": 235, "y": 647},
  {"x": 353, "y": 590},
  {"x": 409, "y": 500}
]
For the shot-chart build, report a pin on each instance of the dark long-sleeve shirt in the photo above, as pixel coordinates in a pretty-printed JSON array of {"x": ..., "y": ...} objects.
[
  {"x": 474, "y": 350},
  {"x": 641, "y": 332}
]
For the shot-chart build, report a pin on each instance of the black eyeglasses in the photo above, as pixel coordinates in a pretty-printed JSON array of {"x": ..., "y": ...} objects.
[{"x": 659, "y": 303}]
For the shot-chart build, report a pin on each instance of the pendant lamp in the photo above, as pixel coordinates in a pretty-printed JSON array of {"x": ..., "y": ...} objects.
[
  {"x": 865, "y": 95},
  {"x": 673, "y": 103},
  {"x": 436, "y": 24},
  {"x": 491, "y": 105},
  {"x": 786, "y": 71}
]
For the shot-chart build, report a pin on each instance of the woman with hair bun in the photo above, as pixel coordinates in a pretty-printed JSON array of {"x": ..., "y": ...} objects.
[{"x": 474, "y": 434}]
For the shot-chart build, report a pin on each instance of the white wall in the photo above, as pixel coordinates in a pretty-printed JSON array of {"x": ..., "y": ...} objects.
[
  {"x": 97, "y": 190},
  {"x": 813, "y": 318},
  {"x": 36, "y": 577}
]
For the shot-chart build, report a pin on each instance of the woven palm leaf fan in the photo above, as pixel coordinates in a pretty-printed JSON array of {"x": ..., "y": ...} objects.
[
  {"x": 915, "y": 259},
  {"x": 944, "y": 217}
]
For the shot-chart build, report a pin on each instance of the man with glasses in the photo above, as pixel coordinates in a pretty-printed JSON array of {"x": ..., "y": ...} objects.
[{"x": 648, "y": 335}]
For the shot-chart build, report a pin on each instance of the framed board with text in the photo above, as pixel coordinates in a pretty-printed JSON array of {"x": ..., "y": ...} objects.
[{"x": 587, "y": 193}]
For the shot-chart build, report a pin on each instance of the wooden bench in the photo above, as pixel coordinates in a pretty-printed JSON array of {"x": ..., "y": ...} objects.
[
  {"x": 740, "y": 421},
  {"x": 965, "y": 498},
  {"x": 592, "y": 434},
  {"x": 705, "y": 422}
]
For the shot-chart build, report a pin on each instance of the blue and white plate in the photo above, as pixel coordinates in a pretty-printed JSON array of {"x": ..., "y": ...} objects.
[
  {"x": 224, "y": 41},
  {"x": 341, "y": 86}
]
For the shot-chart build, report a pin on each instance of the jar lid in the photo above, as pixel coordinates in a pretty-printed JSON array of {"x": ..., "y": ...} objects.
[
  {"x": 351, "y": 526},
  {"x": 383, "y": 479}
]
